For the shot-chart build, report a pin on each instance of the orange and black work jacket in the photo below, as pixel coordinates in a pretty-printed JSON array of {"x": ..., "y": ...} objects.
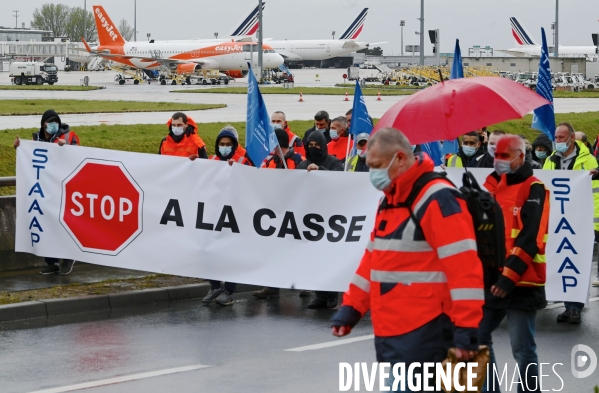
[
  {"x": 524, "y": 201},
  {"x": 64, "y": 133},
  {"x": 295, "y": 142},
  {"x": 292, "y": 160},
  {"x": 338, "y": 148},
  {"x": 412, "y": 273},
  {"x": 185, "y": 145}
]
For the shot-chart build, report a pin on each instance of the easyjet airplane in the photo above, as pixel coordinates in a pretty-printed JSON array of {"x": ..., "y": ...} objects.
[
  {"x": 183, "y": 57},
  {"x": 297, "y": 50},
  {"x": 528, "y": 47}
]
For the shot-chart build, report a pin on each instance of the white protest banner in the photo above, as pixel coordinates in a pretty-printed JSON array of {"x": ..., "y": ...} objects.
[
  {"x": 265, "y": 227},
  {"x": 570, "y": 244},
  {"x": 202, "y": 219}
]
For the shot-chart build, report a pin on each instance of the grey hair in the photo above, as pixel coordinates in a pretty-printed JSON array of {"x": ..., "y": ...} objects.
[
  {"x": 514, "y": 142},
  {"x": 341, "y": 120},
  {"x": 229, "y": 127},
  {"x": 390, "y": 141},
  {"x": 282, "y": 113},
  {"x": 568, "y": 126}
]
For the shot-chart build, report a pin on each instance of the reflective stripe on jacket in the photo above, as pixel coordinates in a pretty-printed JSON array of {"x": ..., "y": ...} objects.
[
  {"x": 235, "y": 158},
  {"x": 411, "y": 274}
]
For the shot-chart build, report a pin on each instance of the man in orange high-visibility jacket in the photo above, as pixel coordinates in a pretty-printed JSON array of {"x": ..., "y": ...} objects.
[
  {"x": 520, "y": 290},
  {"x": 340, "y": 139},
  {"x": 183, "y": 139},
  {"x": 279, "y": 120},
  {"x": 420, "y": 276}
]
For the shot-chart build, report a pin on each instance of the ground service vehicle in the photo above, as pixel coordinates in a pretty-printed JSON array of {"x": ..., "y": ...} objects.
[{"x": 31, "y": 73}]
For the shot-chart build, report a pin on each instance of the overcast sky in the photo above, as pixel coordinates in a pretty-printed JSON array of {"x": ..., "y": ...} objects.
[{"x": 474, "y": 22}]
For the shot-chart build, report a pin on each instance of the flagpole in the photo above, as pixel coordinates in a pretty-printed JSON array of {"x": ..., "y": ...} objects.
[
  {"x": 283, "y": 155},
  {"x": 347, "y": 152}
]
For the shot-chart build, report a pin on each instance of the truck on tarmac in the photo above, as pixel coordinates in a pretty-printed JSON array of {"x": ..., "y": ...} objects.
[{"x": 32, "y": 73}]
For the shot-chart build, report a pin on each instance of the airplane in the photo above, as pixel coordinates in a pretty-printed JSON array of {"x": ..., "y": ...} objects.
[
  {"x": 243, "y": 31},
  {"x": 181, "y": 58},
  {"x": 298, "y": 50},
  {"x": 527, "y": 46}
]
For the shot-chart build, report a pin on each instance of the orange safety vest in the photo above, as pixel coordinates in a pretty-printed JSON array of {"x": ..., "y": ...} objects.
[
  {"x": 189, "y": 145},
  {"x": 295, "y": 142},
  {"x": 292, "y": 162},
  {"x": 69, "y": 136},
  {"x": 410, "y": 274},
  {"x": 338, "y": 148},
  {"x": 511, "y": 198},
  {"x": 236, "y": 157}
]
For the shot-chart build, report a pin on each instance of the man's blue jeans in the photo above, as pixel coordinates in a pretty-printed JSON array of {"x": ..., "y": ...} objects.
[{"x": 522, "y": 327}]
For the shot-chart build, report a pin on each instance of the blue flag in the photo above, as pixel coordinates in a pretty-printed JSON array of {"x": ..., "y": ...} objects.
[
  {"x": 457, "y": 71},
  {"x": 434, "y": 150},
  {"x": 360, "y": 120},
  {"x": 260, "y": 138},
  {"x": 544, "y": 117}
]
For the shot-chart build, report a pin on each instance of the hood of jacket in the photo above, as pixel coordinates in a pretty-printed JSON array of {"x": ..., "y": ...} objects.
[
  {"x": 543, "y": 140},
  {"x": 402, "y": 185},
  {"x": 192, "y": 128},
  {"x": 319, "y": 138},
  {"x": 221, "y": 135}
]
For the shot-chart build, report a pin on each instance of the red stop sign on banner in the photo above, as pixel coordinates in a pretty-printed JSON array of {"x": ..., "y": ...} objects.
[{"x": 101, "y": 207}]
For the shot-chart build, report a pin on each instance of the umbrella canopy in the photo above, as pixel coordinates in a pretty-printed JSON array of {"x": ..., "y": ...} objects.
[{"x": 450, "y": 109}]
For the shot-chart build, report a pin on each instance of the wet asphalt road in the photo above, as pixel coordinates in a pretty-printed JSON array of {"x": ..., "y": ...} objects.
[{"x": 244, "y": 347}]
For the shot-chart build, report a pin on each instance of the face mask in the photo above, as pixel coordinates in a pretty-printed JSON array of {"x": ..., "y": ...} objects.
[
  {"x": 334, "y": 134},
  {"x": 562, "y": 147},
  {"x": 469, "y": 150},
  {"x": 380, "y": 177},
  {"x": 503, "y": 167},
  {"x": 360, "y": 152},
  {"x": 52, "y": 128},
  {"x": 178, "y": 131},
  {"x": 277, "y": 126},
  {"x": 541, "y": 155},
  {"x": 491, "y": 150},
  {"x": 315, "y": 153},
  {"x": 225, "y": 150},
  {"x": 320, "y": 129},
  {"x": 414, "y": 147}
]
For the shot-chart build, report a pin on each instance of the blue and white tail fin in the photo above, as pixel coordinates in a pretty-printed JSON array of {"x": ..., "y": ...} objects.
[
  {"x": 248, "y": 25},
  {"x": 354, "y": 30},
  {"x": 521, "y": 34}
]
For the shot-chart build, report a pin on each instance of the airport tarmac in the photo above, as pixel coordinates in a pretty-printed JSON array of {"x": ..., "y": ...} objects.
[{"x": 236, "y": 103}]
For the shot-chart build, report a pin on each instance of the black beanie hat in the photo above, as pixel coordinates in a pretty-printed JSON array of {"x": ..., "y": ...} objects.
[
  {"x": 282, "y": 137},
  {"x": 49, "y": 115}
]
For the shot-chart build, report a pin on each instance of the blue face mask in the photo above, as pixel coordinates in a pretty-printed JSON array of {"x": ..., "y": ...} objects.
[
  {"x": 380, "y": 177},
  {"x": 334, "y": 135},
  {"x": 469, "y": 151},
  {"x": 562, "y": 147},
  {"x": 225, "y": 150},
  {"x": 52, "y": 128},
  {"x": 541, "y": 155},
  {"x": 414, "y": 147}
]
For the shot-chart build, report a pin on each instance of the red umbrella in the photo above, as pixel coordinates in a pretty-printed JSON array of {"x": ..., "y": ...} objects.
[{"x": 450, "y": 109}]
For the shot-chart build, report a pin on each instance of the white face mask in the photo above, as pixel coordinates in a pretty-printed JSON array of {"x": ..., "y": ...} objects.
[
  {"x": 277, "y": 126},
  {"x": 491, "y": 150},
  {"x": 178, "y": 131}
]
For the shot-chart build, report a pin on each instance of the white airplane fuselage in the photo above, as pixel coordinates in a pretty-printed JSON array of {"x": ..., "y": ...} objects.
[
  {"x": 298, "y": 50},
  {"x": 564, "y": 51}
]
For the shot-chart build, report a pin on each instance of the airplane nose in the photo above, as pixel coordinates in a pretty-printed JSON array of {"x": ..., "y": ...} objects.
[{"x": 275, "y": 59}]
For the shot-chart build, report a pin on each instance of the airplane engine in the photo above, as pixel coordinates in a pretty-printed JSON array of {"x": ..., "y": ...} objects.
[
  {"x": 188, "y": 68},
  {"x": 236, "y": 73}
]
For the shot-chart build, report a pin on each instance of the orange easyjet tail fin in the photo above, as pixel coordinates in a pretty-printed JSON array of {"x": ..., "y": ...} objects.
[{"x": 108, "y": 34}]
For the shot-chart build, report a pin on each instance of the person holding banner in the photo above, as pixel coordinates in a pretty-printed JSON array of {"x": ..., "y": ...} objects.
[
  {"x": 341, "y": 140},
  {"x": 571, "y": 154},
  {"x": 469, "y": 150},
  {"x": 519, "y": 292},
  {"x": 53, "y": 130},
  {"x": 422, "y": 282},
  {"x": 292, "y": 160},
  {"x": 226, "y": 147},
  {"x": 357, "y": 163},
  {"x": 183, "y": 139},
  {"x": 322, "y": 123},
  {"x": 279, "y": 120}
]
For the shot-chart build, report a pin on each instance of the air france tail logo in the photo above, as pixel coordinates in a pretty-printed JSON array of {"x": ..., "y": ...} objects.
[{"x": 107, "y": 25}]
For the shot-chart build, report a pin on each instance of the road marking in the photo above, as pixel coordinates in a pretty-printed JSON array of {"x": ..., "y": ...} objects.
[
  {"x": 331, "y": 344},
  {"x": 126, "y": 378}
]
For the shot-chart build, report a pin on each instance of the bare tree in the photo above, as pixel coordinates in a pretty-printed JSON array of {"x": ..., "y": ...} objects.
[
  {"x": 126, "y": 30},
  {"x": 53, "y": 17}
]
